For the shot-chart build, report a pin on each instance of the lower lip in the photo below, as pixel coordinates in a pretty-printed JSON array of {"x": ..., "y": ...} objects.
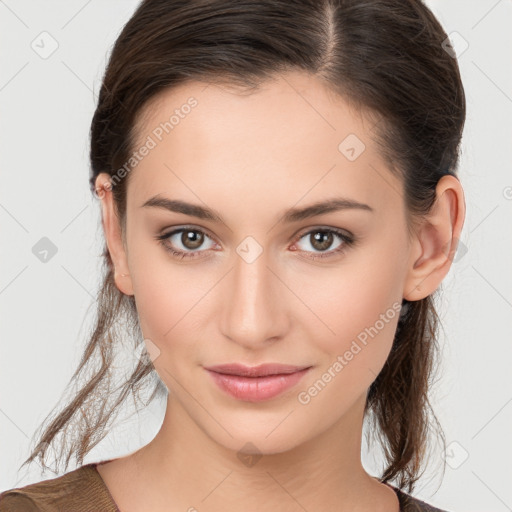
[{"x": 256, "y": 389}]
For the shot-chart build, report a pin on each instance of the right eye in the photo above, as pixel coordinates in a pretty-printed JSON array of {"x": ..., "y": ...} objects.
[{"x": 189, "y": 238}]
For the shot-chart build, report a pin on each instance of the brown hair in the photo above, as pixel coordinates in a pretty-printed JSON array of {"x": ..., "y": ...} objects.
[{"x": 385, "y": 57}]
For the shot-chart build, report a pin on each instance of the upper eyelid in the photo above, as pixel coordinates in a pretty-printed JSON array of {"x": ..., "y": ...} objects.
[{"x": 337, "y": 231}]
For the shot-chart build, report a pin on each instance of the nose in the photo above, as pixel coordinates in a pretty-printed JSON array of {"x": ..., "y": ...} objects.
[{"x": 254, "y": 303}]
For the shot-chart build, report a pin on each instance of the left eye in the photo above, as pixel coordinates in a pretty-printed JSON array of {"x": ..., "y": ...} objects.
[{"x": 320, "y": 239}]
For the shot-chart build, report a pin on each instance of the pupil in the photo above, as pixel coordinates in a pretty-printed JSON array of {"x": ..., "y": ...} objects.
[
  {"x": 191, "y": 239},
  {"x": 324, "y": 238}
]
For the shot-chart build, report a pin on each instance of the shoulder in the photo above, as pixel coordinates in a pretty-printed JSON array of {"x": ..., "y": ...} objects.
[
  {"x": 409, "y": 503},
  {"x": 78, "y": 490}
]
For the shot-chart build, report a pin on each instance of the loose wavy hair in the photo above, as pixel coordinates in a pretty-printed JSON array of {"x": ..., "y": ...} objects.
[{"x": 388, "y": 59}]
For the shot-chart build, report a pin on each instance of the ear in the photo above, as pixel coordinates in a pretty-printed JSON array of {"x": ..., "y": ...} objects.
[
  {"x": 436, "y": 240},
  {"x": 113, "y": 234}
]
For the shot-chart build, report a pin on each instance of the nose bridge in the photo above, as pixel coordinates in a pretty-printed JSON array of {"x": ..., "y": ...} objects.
[{"x": 251, "y": 310}]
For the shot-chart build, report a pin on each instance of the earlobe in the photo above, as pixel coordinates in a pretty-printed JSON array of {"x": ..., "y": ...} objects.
[
  {"x": 435, "y": 244},
  {"x": 113, "y": 234}
]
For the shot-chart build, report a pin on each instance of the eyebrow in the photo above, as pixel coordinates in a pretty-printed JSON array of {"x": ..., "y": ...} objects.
[{"x": 291, "y": 215}]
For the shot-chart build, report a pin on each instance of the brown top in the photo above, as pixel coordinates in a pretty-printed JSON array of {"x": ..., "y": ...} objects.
[{"x": 83, "y": 490}]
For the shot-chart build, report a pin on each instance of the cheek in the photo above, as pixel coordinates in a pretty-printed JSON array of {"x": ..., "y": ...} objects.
[
  {"x": 165, "y": 306},
  {"x": 165, "y": 302},
  {"x": 358, "y": 304},
  {"x": 161, "y": 288},
  {"x": 170, "y": 300}
]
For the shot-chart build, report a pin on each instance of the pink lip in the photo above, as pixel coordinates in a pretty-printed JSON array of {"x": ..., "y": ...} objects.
[{"x": 258, "y": 389}]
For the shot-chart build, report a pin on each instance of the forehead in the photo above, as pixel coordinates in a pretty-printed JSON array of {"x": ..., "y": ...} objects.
[{"x": 292, "y": 138}]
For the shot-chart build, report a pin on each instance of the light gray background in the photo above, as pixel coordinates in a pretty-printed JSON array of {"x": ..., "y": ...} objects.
[{"x": 46, "y": 109}]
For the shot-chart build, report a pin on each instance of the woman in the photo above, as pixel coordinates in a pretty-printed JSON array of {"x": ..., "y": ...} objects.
[{"x": 280, "y": 204}]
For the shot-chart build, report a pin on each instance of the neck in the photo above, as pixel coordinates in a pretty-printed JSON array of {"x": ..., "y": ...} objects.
[{"x": 185, "y": 467}]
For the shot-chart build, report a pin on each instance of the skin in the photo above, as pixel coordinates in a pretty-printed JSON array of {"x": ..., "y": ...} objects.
[{"x": 251, "y": 157}]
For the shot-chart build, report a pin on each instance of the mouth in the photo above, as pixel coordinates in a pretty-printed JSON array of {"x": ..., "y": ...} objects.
[
  {"x": 262, "y": 370},
  {"x": 262, "y": 385}
]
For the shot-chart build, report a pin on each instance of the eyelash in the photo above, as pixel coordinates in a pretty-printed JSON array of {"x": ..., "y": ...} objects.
[{"x": 348, "y": 241}]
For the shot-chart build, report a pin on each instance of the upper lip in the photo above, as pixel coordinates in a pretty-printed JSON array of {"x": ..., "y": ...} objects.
[{"x": 255, "y": 371}]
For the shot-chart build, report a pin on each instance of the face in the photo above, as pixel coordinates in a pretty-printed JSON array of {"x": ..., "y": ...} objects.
[{"x": 258, "y": 285}]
